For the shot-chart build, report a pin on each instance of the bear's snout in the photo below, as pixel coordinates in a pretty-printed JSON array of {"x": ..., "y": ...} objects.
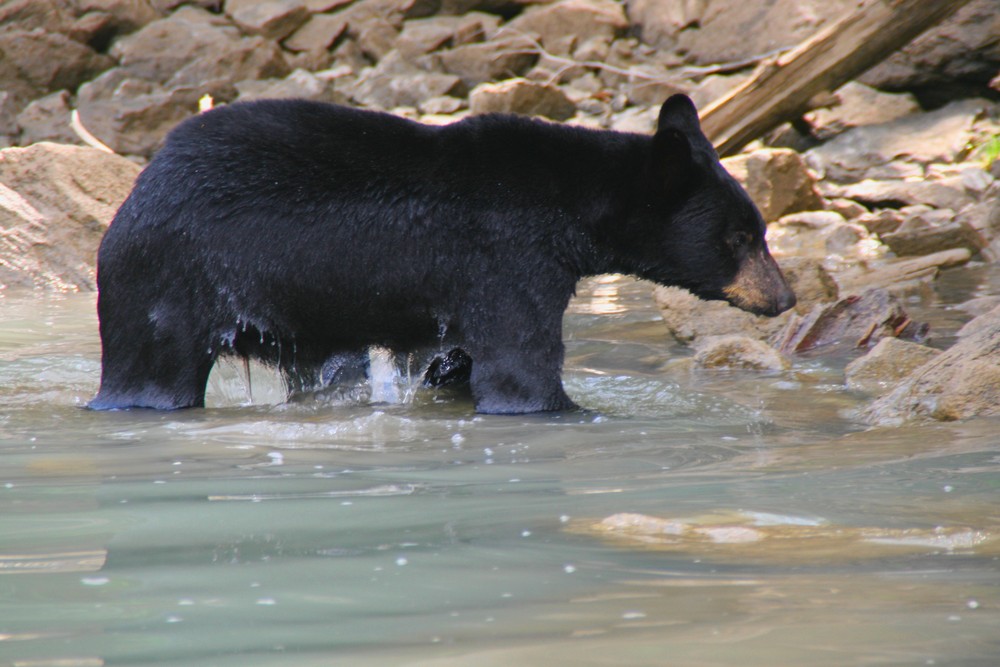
[{"x": 759, "y": 286}]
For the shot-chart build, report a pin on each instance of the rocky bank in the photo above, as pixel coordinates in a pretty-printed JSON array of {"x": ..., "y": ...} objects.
[{"x": 868, "y": 199}]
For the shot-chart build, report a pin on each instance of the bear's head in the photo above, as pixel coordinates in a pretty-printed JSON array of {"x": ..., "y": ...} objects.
[{"x": 699, "y": 228}]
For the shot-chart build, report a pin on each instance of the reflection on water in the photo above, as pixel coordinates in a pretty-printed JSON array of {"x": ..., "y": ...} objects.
[{"x": 402, "y": 529}]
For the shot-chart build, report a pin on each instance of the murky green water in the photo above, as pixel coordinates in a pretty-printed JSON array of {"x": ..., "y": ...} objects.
[{"x": 335, "y": 532}]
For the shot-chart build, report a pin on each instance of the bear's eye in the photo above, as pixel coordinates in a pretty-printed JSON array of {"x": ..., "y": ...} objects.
[{"x": 740, "y": 240}]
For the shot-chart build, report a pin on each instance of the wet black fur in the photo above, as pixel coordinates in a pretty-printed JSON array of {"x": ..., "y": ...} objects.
[{"x": 294, "y": 231}]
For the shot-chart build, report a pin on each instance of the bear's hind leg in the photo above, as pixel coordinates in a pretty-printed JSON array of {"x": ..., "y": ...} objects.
[{"x": 147, "y": 367}]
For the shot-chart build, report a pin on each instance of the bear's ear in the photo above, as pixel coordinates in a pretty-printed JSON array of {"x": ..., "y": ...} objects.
[
  {"x": 679, "y": 113},
  {"x": 679, "y": 144}
]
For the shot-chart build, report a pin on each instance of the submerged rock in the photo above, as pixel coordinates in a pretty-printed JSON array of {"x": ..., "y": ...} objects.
[
  {"x": 740, "y": 352},
  {"x": 744, "y": 536}
]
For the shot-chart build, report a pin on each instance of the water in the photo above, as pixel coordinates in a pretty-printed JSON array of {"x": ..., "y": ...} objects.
[{"x": 334, "y": 531}]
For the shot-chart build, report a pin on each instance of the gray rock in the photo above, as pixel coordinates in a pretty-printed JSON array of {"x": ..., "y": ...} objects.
[
  {"x": 924, "y": 231},
  {"x": 489, "y": 61},
  {"x": 521, "y": 96},
  {"x": 936, "y": 136},
  {"x": 133, "y": 116},
  {"x": 882, "y": 221},
  {"x": 738, "y": 352},
  {"x": 273, "y": 19},
  {"x": 778, "y": 181},
  {"x": 959, "y": 55},
  {"x": 962, "y": 382},
  {"x": 762, "y": 26},
  {"x": 896, "y": 193},
  {"x": 299, "y": 84},
  {"x": 317, "y": 34},
  {"x": 859, "y": 104},
  {"x": 47, "y": 119},
  {"x": 886, "y": 365},
  {"x": 396, "y": 82},
  {"x": 55, "y": 203},
  {"x": 562, "y": 25},
  {"x": 34, "y": 63},
  {"x": 193, "y": 46}
]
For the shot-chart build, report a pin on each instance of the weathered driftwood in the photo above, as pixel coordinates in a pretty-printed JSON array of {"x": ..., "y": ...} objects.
[{"x": 781, "y": 89}]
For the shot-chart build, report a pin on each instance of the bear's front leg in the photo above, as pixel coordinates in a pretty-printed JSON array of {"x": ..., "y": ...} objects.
[{"x": 519, "y": 379}]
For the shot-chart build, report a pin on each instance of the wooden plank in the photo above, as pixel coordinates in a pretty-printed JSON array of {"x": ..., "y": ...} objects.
[{"x": 780, "y": 89}]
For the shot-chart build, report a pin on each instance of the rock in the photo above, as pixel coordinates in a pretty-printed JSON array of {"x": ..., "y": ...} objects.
[
  {"x": 640, "y": 120},
  {"x": 927, "y": 230},
  {"x": 882, "y": 221},
  {"x": 443, "y": 104},
  {"x": 962, "y": 382},
  {"x": 396, "y": 82},
  {"x": 657, "y": 22},
  {"x": 50, "y": 15},
  {"x": 953, "y": 59},
  {"x": 762, "y": 27},
  {"x": 688, "y": 318},
  {"x": 34, "y": 63},
  {"x": 886, "y": 364},
  {"x": 777, "y": 180},
  {"x": 821, "y": 234},
  {"x": 55, "y": 203},
  {"x": 521, "y": 96},
  {"x": 896, "y": 193},
  {"x": 420, "y": 36},
  {"x": 133, "y": 116},
  {"x": 849, "y": 209},
  {"x": 488, "y": 61},
  {"x": 376, "y": 37},
  {"x": 317, "y": 34},
  {"x": 898, "y": 274},
  {"x": 47, "y": 119},
  {"x": 810, "y": 281},
  {"x": 273, "y": 19},
  {"x": 859, "y": 104},
  {"x": 979, "y": 305},
  {"x": 734, "y": 351},
  {"x": 562, "y": 25},
  {"x": 855, "y": 320},
  {"x": 936, "y": 136},
  {"x": 299, "y": 84},
  {"x": 192, "y": 47}
]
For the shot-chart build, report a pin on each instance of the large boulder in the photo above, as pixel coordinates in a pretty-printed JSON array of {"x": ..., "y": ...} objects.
[
  {"x": 55, "y": 203},
  {"x": 962, "y": 382}
]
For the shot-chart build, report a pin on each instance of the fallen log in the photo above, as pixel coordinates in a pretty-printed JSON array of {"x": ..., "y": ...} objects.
[{"x": 782, "y": 87}]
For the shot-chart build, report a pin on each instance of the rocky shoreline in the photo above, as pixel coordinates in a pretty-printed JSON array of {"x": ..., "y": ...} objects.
[{"x": 867, "y": 200}]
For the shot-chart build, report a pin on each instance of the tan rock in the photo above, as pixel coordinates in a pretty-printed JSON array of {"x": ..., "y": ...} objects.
[
  {"x": 521, "y": 96},
  {"x": 886, "y": 364},
  {"x": 777, "y": 180},
  {"x": 962, "y": 382},
  {"x": 55, "y": 203}
]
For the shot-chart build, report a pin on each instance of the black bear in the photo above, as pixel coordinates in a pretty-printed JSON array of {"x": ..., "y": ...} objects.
[{"x": 296, "y": 232}]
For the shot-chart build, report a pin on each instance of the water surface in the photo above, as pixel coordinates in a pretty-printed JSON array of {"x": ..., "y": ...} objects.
[{"x": 333, "y": 531}]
